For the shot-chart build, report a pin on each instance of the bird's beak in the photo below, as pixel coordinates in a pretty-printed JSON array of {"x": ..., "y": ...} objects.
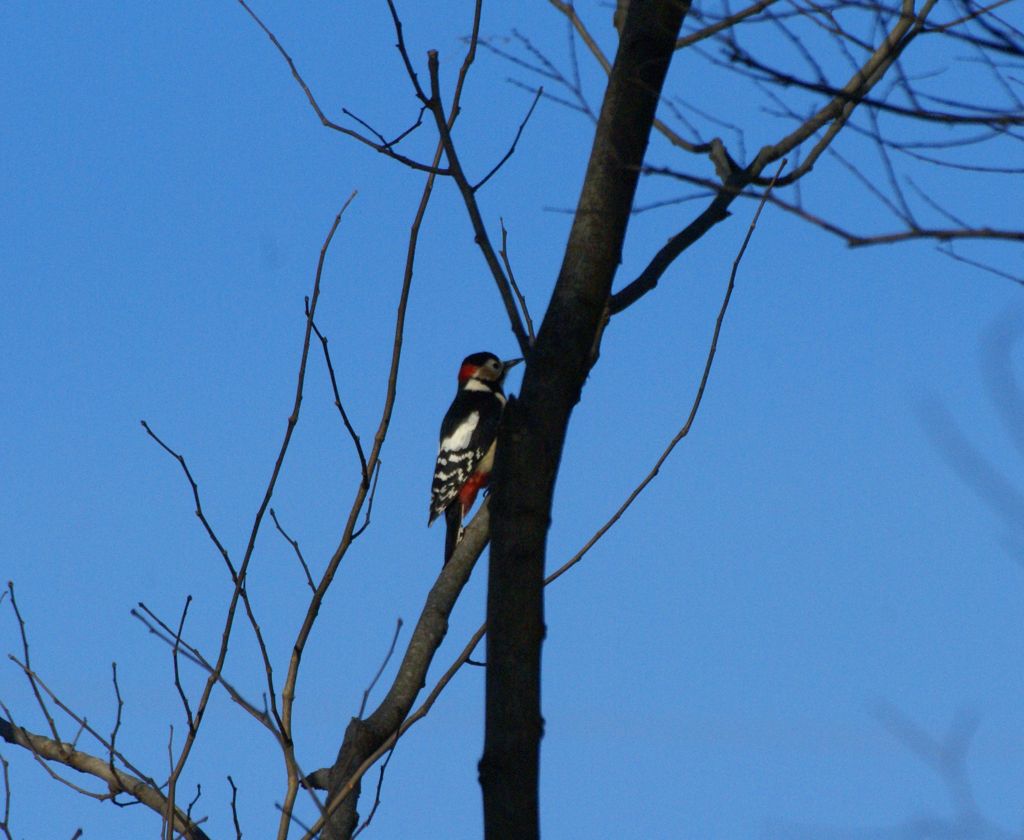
[{"x": 511, "y": 363}]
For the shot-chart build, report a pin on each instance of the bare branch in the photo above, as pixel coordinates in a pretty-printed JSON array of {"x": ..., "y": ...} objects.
[
  {"x": 714, "y": 213},
  {"x": 404, "y": 53},
  {"x": 117, "y": 718},
  {"x": 337, "y": 400},
  {"x": 363, "y": 494},
  {"x": 5, "y": 820},
  {"x": 116, "y": 781},
  {"x": 376, "y": 795},
  {"x": 27, "y": 667},
  {"x": 177, "y": 676},
  {"x": 852, "y": 238},
  {"x": 512, "y": 280},
  {"x": 949, "y": 252},
  {"x": 685, "y": 430},
  {"x": 295, "y": 547},
  {"x": 234, "y": 809},
  {"x": 515, "y": 142},
  {"x": 200, "y": 514},
  {"x": 369, "y": 501},
  {"x": 83, "y": 726},
  {"x": 836, "y": 113},
  {"x": 155, "y": 625},
  {"x": 947, "y": 757},
  {"x": 569, "y": 10},
  {"x": 363, "y": 737},
  {"x": 194, "y": 800},
  {"x": 472, "y": 209},
  {"x": 724, "y": 23},
  {"x": 380, "y": 670},
  {"x": 382, "y": 146},
  {"x": 238, "y": 578}
]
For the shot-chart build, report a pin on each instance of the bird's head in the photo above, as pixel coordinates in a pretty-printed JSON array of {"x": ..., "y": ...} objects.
[{"x": 485, "y": 367}]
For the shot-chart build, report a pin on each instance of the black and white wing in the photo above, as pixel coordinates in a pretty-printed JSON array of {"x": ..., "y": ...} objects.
[{"x": 467, "y": 432}]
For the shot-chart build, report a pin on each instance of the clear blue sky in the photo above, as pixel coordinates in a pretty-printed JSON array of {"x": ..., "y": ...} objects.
[{"x": 714, "y": 667}]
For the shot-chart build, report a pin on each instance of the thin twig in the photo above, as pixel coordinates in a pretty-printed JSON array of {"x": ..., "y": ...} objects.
[
  {"x": 80, "y": 721},
  {"x": 515, "y": 141},
  {"x": 195, "y": 799},
  {"x": 949, "y": 252},
  {"x": 369, "y": 501},
  {"x": 234, "y": 809},
  {"x": 28, "y": 663},
  {"x": 177, "y": 676},
  {"x": 503, "y": 253},
  {"x": 155, "y": 625},
  {"x": 685, "y": 430},
  {"x": 376, "y": 795},
  {"x": 466, "y": 189},
  {"x": 380, "y": 670},
  {"x": 337, "y": 400},
  {"x": 200, "y": 513},
  {"x": 384, "y": 147},
  {"x": 295, "y": 547},
  {"x": 117, "y": 717},
  {"x": 5, "y": 821}
]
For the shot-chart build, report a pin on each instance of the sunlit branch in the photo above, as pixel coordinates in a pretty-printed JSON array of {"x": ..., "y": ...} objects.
[
  {"x": 724, "y": 23},
  {"x": 836, "y": 113},
  {"x": 116, "y": 781}
]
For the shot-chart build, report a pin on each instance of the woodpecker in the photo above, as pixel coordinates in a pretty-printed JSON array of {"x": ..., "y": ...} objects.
[{"x": 465, "y": 454}]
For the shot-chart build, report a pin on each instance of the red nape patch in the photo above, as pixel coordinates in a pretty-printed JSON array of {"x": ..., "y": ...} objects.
[
  {"x": 468, "y": 491},
  {"x": 466, "y": 372}
]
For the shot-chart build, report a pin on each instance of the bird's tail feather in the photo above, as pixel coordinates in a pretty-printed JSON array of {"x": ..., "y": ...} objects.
[{"x": 453, "y": 521}]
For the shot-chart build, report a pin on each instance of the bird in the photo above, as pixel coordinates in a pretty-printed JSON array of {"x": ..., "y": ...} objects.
[{"x": 465, "y": 454}]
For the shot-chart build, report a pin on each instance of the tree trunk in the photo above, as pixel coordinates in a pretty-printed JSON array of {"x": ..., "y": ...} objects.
[{"x": 534, "y": 426}]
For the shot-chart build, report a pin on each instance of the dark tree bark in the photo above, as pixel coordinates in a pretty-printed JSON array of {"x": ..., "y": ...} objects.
[{"x": 534, "y": 427}]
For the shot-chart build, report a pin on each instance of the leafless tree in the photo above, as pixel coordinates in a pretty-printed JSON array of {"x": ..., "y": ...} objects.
[{"x": 853, "y": 69}]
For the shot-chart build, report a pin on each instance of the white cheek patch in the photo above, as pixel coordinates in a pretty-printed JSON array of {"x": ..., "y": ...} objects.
[{"x": 459, "y": 439}]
